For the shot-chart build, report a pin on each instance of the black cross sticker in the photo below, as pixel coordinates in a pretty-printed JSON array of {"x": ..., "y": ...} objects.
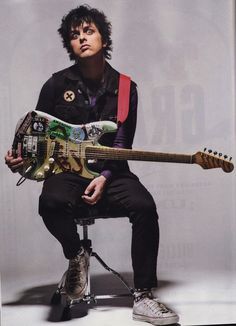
[{"x": 69, "y": 96}]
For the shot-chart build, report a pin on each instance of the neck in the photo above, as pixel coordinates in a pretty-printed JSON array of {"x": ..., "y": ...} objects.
[{"x": 92, "y": 68}]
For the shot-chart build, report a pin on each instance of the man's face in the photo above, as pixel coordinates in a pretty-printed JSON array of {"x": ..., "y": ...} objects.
[{"x": 86, "y": 41}]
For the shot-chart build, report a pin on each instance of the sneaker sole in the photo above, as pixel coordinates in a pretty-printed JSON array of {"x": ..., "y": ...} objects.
[{"x": 157, "y": 321}]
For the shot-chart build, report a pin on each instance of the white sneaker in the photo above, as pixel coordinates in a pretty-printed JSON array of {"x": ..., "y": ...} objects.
[{"x": 149, "y": 309}]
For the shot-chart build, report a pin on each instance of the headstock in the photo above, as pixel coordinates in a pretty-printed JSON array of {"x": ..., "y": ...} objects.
[{"x": 211, "y": 160}]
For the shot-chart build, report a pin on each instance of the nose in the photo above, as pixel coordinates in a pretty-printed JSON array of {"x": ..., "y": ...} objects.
[{"x": 82, "y": 37}]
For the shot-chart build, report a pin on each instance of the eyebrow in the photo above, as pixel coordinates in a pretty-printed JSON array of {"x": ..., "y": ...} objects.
[{"x": 87, "y": 26}]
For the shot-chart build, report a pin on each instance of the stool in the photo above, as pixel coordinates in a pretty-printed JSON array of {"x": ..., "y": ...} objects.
[{"x": 88, "y": 297}]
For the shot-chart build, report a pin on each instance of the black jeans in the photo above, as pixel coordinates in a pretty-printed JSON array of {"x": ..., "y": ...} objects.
[{"x": 60, "y": 202}]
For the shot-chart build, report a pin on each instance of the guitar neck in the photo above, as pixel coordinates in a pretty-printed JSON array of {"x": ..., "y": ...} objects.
[{"x": 99, "y": 152}]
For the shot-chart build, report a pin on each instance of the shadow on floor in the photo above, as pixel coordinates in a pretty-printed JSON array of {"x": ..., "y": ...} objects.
[{"x": 100, "y": 285}]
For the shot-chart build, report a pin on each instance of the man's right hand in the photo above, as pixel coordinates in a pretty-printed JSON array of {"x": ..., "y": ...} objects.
[{"x": 14, "y": 164}]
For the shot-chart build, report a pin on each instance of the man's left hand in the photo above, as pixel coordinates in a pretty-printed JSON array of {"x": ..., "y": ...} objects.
[{"x": 94, "y": 191}]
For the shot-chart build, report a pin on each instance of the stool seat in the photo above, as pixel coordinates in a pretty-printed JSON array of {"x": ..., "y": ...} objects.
[{"x": 91, "y": 213}]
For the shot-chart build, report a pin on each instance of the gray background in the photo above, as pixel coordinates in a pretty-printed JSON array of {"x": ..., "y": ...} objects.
[{"x": 181, "y": 54}]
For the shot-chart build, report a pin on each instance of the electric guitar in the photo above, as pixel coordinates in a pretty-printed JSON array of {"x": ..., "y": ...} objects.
[{"x": 50, "y": 146}]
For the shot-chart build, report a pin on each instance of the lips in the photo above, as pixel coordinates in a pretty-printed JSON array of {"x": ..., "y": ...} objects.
[{"x": 84, "y": 47}]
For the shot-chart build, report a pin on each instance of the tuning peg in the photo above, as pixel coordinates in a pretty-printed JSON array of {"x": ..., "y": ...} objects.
[
  {"x": 225, "y": 156},
  {"x": 215, "y": 153},
  {"x": 209, "y": 151},
  {"x": 205, "y": 149},
  {"x": 230, "y": 158},
  {"x": 220, "y": 154}
]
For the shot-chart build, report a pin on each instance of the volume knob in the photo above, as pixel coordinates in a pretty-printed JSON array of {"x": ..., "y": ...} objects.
[
  {"x": 39, "y": 175},
  {"x": 51, "y": 160},
  {"x": 46, "y": 168}
]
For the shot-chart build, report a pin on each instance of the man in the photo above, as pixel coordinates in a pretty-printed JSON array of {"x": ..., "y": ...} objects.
[{"x": 82, "y": 93}]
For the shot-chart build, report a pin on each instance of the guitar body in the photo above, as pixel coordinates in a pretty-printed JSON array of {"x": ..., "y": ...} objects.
[{"x": 50, "y": 146}]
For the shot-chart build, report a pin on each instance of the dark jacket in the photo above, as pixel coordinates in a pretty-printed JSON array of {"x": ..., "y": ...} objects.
[{"x": 66, "y": 97}]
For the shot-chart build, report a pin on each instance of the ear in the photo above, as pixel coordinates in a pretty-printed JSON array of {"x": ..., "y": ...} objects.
[{"x": 104, "y": 44}]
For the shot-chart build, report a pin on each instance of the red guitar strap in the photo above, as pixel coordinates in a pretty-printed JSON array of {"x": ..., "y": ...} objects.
[{"x": 123, "y": 98}]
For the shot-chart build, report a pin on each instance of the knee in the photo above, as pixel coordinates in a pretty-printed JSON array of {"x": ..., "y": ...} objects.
[
  {"x": 52, "y": 204},
  {"x": 144, "y": 210},
  {"x": 145, "y": 205}
]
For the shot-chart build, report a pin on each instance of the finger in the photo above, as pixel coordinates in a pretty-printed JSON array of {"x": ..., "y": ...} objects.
[
  {"x": 16, "y": 167},
  {"x": 11, "y": 162},
  {"x": 9, "y": 155},
  {"x": 91, "y": 199},
  {"x": 8, "y": 158},
  {"x": 9, "y": 152},
  {"x": 89, "y": 189}
]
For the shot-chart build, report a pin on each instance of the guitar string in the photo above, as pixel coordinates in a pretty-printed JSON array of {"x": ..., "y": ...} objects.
[
  {"x": 122, "y": 154},
  {"x": 129, "y": 154},
  {"x": 114, "y": 152}
]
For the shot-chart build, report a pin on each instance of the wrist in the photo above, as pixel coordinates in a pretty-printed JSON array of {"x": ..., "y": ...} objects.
[
  {"x": 106, "y": 174},
  {"x": 102, "y": 178}
]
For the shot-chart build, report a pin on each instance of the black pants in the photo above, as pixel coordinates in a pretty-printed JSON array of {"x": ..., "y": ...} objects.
[{"x": 60, "y": 202}]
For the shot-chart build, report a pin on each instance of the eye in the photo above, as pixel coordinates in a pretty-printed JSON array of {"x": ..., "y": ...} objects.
[
  {"x": 89, "y": 31},
  {"x": 74, "y": 35}
]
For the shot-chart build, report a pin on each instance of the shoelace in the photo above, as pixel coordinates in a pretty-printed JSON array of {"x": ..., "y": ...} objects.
[
  {"x": 155, "y": 306},
  {"x": 152, "y": 303},
  {"x": 74, "y": 272},
  {"x": 74, "y": 268}
]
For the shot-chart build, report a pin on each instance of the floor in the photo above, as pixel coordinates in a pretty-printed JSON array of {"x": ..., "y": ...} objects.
[{"x": 200, "y": 298}]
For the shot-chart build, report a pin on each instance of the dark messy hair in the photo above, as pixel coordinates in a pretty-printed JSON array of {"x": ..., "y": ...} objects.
[{"x": 89, "y": 15}]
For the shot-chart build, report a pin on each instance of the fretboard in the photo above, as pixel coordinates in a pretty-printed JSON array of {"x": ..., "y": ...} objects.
[{"x": 97, "y": 152}]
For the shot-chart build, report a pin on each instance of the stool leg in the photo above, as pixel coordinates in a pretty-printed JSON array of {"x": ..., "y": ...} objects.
[
  {"x": 86, "y": 242},
  {"x": 99, "y": 259},
  {"x": 85, "y": 232}
]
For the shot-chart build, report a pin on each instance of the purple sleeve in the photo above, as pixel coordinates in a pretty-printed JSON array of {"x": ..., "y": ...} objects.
[
  {"x": 106, "y": 173},
  {"x": 125, "y": 133}
]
